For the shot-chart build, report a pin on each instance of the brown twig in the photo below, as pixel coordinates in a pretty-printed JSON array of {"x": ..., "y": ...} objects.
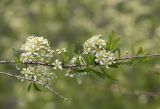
[
  {"x": 138, "y": 57},
  {"x": 44, "y": 85},
  {"x": 73, "y": 66}
]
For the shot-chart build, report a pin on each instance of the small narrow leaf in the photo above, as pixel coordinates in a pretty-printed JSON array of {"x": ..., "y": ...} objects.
[
  {"x": 114, "y": 43},
  {"x": 29, "y": 87},
  {"x": 18, "y": 64},
  {"x": 107, "y": 75},
  {"x": 79, "y": 79},
  {"x": 36, "y": 87},
  {"x": 113, "y": 66},
  {"x": 109, "y": 41},
  {"x": 89, "y": 59},
  {"x": 17, "y": 60},
  {"x": 139, "y": 51},
  {"x": 118, "y": 51},
  {"x": 70, "y": 52},
  {"x": 100, "y": 74},
  {"x": 86, "y": 59},
  {"x": 16, "y": 52},
  {"x": 133, "y": 49}
]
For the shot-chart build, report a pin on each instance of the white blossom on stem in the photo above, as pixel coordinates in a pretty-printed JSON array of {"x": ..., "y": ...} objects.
[
  {"x": 105, "y": 58},
  {"x": 36, "y": 49},
  {"x": 94, "y": 44},
  {"x": 63, "y": 50},
  {"x": 57, "y": 64},
  {"x": 39, "y": 73}
]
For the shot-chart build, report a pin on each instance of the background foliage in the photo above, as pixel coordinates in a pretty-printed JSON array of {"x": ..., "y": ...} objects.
[{"x": 64, "y": 22}]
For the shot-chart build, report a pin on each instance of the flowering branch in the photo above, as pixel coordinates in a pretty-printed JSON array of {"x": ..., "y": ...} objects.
[
  {"x": 35, "y": 58},
  {"x": 72, "y": 66}
]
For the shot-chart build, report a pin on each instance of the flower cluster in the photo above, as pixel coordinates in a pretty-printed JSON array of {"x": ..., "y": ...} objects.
[
  {"x": 72, "y": 75},
  {"x": 57, "y": 64},
  {"x": 77, "y": 60},
  {"x": 63, "y": 50},
  {"x": 105, "y": 58},
  {"x": 94, "y": 44},
  {"x": 38, "y": 73},
  {"x": 36, "y": 49}
]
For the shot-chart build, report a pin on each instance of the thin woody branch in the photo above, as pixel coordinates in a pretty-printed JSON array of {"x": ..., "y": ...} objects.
[
  {"x": 73, "y": 66},
  {"x": 129, "y": 93},
  {"x": 44, "y": 85},
  {"x": 34, "y": 63},
  {"x": 137, "y": 57}
]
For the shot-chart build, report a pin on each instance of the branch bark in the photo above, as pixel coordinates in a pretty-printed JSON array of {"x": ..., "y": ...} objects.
[
  {"x": 137, "y": 57},
  {"x": 44, "y": 85},
  {"x": 73, "y": 66}
]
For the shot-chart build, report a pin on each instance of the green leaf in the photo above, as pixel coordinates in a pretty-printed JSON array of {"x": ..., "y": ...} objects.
[
  {"x": 89, "y": 59},
  {"x": 17, "y": 60},
  {"x": 98, "y": 73},
  {"x": 19, "y": 65},
  {"x": 29, "y": 87},
  {"x": 139, "y": 51},
  {"x": 36, "y": 87},
  {"x": 113, "y": 66},
  {"x": 118, "y": 51},
  {"x": 79, "y": 70},
  {"x": 107, "y": 75},
  {"x": 133, "y": 49},
  {"x": 136, "y": 53},
  {"x": 70, "y": 52},
  {"x": 79, "y": 79},
  {"x": 112, "y": 41},
  {"x": 109, "y": 41},
  {"x": 16, "y": 52},
  {"x": 86, "y": 59}
]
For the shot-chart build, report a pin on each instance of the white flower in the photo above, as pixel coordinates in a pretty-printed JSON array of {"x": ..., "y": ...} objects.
[
  {"x": 73, "y": 60},
  {"x": 57, "y": 64},
  {"x": 70, "y": 75},
  {"x": 39, "y": 73},
  {"x": 77, "y": 60},
  {"x": 73, "y": 75},
  {"x": 94, "y": 44},
  {"x": 61, "y": 51},
  {"x": 105, "y": 58},
  {"x": 58, "y": 51},
  {"x": 64, "y": 50},
  {"x": 36, "y": 49}
]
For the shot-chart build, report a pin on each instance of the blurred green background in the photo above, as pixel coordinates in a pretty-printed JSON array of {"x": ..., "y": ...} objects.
[{"x": 66, "y": 22}]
